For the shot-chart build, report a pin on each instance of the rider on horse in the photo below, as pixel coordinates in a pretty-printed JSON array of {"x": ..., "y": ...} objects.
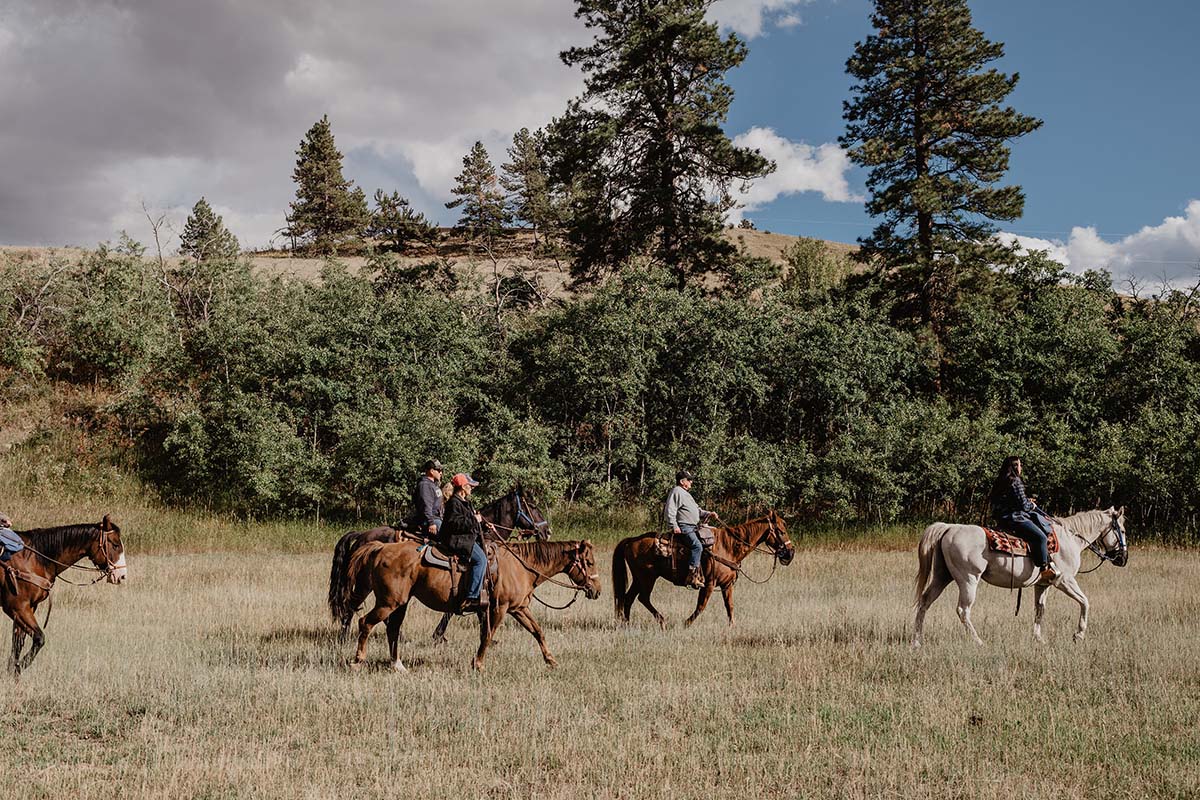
[
  {"x": 1019, "y": 515},
  {"x": 683, "y": 516},
  {"x": 428, "y": 506},
  {"x": 462, "y": 535}
]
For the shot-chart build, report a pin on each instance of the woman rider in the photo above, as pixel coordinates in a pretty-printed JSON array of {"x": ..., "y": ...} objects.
[
  {"x": 1017, "y": 514},
  {"x": 462, "y": 535}
]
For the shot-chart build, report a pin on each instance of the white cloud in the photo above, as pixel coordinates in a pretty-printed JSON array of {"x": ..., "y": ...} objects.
[
  {"x": 751, "y": 17},
  {"x": 1169, "y": 251},
  {"x": 799, "y": 167}
]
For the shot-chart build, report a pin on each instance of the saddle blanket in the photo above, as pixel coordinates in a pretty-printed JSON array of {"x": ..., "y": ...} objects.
[
  {"x": 1003, "y": 542},
  {"x": 671, "y": 544}
]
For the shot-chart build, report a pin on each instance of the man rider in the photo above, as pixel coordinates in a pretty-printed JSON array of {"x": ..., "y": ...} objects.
[
  {"x": 10, "y": 542},
  {"x": 683, "y": 515},
  {"x": 428, "y": 506},
  {"x": 462, "y": 535}
]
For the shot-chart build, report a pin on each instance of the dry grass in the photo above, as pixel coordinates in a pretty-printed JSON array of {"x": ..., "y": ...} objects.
[{"x": 217, "y": 675}]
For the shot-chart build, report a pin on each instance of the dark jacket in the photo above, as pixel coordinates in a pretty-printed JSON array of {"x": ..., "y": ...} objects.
[
  {"x": 427, "y": 504},
  {"x": 1010, "y": 502},
  {"x": 460, "y": 529}
]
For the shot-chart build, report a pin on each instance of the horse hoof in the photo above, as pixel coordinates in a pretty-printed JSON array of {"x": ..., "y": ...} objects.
[
  {"x": 354, "y": 666},
  {"x": 1077, "y": 637},
  {"x": 551, "y": 663},
  {"x": 398, "y": 667},
  {"x": 477, "y": 665}
]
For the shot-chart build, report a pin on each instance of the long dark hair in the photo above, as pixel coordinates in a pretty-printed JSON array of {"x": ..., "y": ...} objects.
[{"x": 1004, "y": 479}]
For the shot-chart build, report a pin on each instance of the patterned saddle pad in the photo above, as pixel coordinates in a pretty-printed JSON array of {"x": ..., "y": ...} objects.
[{"x": 1003, "y": 542}]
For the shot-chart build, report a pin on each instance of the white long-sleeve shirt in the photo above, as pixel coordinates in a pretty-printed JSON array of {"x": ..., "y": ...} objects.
[{"x": 681, "y": 508}]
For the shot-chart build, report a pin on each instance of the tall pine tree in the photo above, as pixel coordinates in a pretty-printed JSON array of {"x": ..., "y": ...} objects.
[
  {"x": 329, "y": 210},
  {"x": 485, "y": 211},
  {"x": 525, "y": 179},
  {"x": 642, "y": 152},
  {"x": 925, "y": 120},
  {"x": 205, "y": 237}
]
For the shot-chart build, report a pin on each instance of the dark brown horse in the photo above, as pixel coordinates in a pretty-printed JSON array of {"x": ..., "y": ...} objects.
[
  {"x": 512, "y": 513},
  {"x": 397, "y": 574},
  {"x": 721, "y": 564},
  {"x": 48, "y": 553}
]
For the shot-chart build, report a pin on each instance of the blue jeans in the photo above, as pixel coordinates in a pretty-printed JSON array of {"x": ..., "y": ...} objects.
[
  {"x": 1032, "y": 532},
  {"x": 694, "y": 542},
  {"x": 10, "y": 544},
  {"x": 478, "y": 568}
]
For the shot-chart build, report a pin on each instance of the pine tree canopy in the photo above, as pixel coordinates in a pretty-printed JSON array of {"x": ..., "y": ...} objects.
[
  {"x": 926, "y": 121},
  {"x": 642, "y": 153},
  {"x": 205, "y": 237},
  {"x": 478, "y": 192},
  {"x": 328, "y": 210}
]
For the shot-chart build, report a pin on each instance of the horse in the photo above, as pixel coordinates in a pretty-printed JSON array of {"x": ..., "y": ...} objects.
[
  {"x": 48, "y": 553},
  {"x": 721, "y": 564},
  {"x": 396, "y": 573},
  {"x": 960, "y": 553},
  {"x": 511, "y": 513}
]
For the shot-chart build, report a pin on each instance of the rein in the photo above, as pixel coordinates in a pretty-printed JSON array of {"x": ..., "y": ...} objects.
[
  {"x": 549, "y": 578},
  {"x": 104, "y": 571},
  {"x": 1102, "y": 554},
  {"x": 754, "y": 547}
]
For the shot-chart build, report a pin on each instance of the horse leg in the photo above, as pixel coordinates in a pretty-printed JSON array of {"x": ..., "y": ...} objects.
[
  {"x": 368, "y": 621},
  {"x": 937, "y": 585},
  {"x": 527, "y": 622},
  {"x": 630, "y": 595},
  {"x": 28, "y": 623},
  {"x": 18, "y": 644},
  {"x": 1039, "y": 608},
  {"x": 439, "y": 633},
  {"x": 966, "y": 598},
  {"x": 727, "y": 596},
  {"x": 487, "y": 626},
  {"x": 701, "y": 602},
  {"x": 644, "y": 597},
  {"x": 394, "y": 622},
  {"x": 1071, "y": 589}
]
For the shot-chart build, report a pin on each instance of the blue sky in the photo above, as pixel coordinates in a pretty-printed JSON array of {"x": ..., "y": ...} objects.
[
  {"x": 1115, "y": 85},
  {"x": 111, "y": 105}
]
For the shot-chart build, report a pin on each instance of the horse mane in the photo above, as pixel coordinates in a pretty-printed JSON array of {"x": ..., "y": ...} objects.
[
  {"x": 51, "y": 542},
  {"x": 1093, "y": 521},
  {"x": 542, "y": 552}
]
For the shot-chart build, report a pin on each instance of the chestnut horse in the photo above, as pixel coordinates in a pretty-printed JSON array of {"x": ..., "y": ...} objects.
[
  {"x": 396, "y": 573},
  {"x": 511, "y": 513},
  {"x": 48, "y": 553},
  {"x": 721, "y": 564}
]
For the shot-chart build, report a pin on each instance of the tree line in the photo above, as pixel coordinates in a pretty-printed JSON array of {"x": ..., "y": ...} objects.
[{"x": 861, "y": 390}]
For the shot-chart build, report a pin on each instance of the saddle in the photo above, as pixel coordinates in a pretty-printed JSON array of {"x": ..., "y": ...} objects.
[
  {"x": 1002, "y": 542},
  {"x": 675, "y": 550},
  {"x": 437, "y": 559}
]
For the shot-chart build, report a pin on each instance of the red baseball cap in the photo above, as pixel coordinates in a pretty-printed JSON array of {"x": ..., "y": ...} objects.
[{"x": 463, "y": 479}]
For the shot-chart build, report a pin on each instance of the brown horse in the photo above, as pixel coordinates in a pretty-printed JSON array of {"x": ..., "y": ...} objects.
[
  {"x": 513, "y": 513},
  {"x": 396, "y": 574},
  {"x": 721, "y": 564},
  {"x": 48, "y": 553}
]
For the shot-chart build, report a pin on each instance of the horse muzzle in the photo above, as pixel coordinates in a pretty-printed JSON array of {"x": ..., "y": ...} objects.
[
  {"x": 119, "y": 572},
  {"x": 592, "y": 592},
  {"x": 1121, "y": 558},
  {"x": 786, "y": 555}
]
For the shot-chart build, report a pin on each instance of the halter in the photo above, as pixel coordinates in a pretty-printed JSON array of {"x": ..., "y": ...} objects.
[{"x": 754, "y": 547}]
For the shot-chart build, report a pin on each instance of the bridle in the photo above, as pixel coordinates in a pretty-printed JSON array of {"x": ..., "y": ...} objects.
[
  {"x": 577, "y": 565},
  {"x": 107, "y": 570},
  {"x": 773, "y": 551},
  {"x": 524, "y": 517},
  {"x": 1107, "y": 555}
]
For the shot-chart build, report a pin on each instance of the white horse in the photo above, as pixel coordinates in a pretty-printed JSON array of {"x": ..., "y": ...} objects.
[{"x": 960, "y": 553}]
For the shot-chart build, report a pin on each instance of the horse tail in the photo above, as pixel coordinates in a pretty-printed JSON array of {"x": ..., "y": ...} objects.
[
  {"x": 339, "y": 584},
  {"x": 620, "y": 576},
  {"x": 929, "y": 556},
  {"x": 363, "y": 558}
]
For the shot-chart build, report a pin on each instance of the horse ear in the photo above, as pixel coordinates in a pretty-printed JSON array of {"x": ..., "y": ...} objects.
[
  {"x": 1121, "y": 511},
  {"x": 106, "y": 523}
]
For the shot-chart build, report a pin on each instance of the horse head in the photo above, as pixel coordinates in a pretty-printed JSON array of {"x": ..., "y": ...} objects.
[
  {"x": 777, "y": 539},
  {"x": 107, "y": 551},
  {"x": 527, "y": 516},
  {"x": 1114, "y": 541},
  {"x": 582, "y": 570}
]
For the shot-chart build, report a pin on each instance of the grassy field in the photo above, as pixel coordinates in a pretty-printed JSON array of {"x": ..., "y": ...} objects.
[{"x": 218, "y": 675}]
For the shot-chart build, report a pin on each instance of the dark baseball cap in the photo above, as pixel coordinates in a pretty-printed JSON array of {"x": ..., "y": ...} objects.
[
  {"x": 684, "y": 475},
  {"x": 433, "y": 463}
]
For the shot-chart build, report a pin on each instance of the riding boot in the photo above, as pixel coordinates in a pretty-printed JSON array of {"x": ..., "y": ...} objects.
[
  {"x": 1049, "y": 573},
  {"x": 695, "y": 578}
]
